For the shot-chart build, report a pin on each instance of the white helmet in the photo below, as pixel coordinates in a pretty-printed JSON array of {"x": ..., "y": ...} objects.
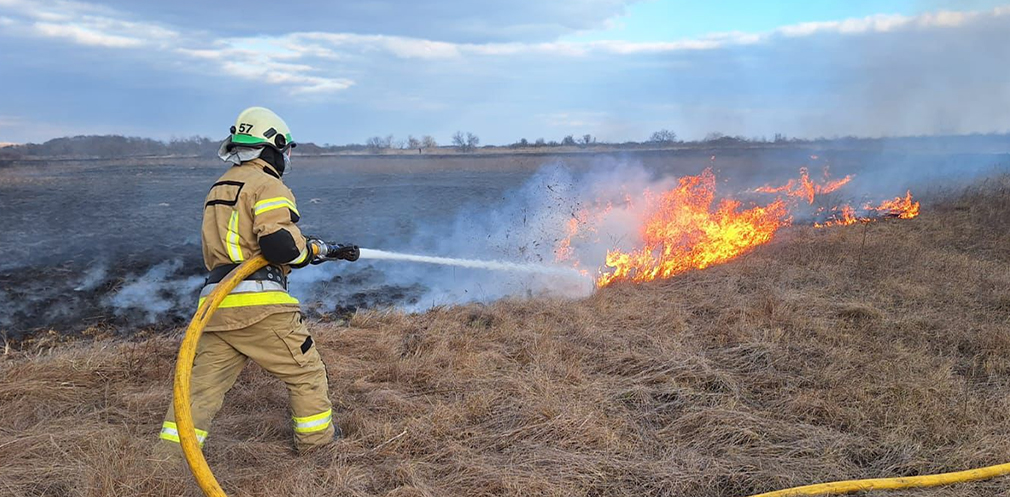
[{"x": 257, "y": 127}]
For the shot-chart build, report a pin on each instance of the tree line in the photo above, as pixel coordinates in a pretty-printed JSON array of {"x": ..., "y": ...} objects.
[{"x": 110, "y": 146}]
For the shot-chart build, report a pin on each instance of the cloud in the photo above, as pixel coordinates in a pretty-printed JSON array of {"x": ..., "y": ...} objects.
[
  {"x": 270, "y": 67},
  {"x": 86, "y": 36},
  {"x": 83, "y": 23},
  {"x": 457, "y": 21}
]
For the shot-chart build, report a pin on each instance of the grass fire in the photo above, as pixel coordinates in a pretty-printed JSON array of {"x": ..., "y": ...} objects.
[
  {"x": 821, "y": 354},
  {"x": 687, "y": 228},
  {"x": 607, "y": 248}
]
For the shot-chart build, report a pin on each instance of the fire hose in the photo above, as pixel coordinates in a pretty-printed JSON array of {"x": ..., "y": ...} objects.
[
  {"x": 320, "y": 251},
  {"x": 184, "y": 371},
  {"x": 205, "y": 478},
  {"x": 898, "y": 483}
]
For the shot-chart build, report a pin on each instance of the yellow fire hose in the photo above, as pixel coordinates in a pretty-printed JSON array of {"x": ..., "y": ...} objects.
[
  {"x": 184, "y": 371},
  {"x": 849, "y": 486},
  {"x": 211, "y": 488}
]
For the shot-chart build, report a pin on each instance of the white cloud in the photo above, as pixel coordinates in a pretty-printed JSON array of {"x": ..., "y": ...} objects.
[
  {"x": 86, "y": 36},
  {"x": 416, "y": 48},
  {"x": 884, "y": 23},
  {"x": 83, "y": 23}
]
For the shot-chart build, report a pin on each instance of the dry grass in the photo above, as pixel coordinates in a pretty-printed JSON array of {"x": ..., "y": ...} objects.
[{"x": 813, "y": 358}]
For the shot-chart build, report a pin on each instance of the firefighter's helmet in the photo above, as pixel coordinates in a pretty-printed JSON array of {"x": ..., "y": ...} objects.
[{"x": 259, "y": 126}]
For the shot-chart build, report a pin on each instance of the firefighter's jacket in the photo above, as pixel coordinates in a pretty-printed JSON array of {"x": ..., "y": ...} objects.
[{"x": 249, "y": 211}]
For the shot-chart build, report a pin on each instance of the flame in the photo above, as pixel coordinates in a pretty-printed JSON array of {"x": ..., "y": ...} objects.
[
  {"x": 687, "y": 227},
  {"x": 900, "y": 207},
  {"x": 842, "y": 216},
  {"x": 682, "y": 232},
  {"x": 805, "y": 188}
]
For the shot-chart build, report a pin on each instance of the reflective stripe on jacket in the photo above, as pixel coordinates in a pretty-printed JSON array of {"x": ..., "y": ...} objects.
[{"x": 249, "y": 212}]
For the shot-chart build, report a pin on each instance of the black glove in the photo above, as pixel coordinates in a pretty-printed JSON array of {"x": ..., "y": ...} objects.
[{"x": 346, "y": 252}]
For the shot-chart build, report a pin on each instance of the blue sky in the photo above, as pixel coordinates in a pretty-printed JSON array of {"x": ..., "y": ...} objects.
[{"x": 340, "y": 72}]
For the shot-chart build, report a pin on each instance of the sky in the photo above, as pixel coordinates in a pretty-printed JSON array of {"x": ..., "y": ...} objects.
[{"x": 341, "y": 72}]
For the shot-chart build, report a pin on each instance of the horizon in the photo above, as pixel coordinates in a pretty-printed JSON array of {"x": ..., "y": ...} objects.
[{"x": 555, "y": 143}]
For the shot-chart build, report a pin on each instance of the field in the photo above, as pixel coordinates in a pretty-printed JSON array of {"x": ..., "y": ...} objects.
[
  {"x": 112, "y": 246},
  {"x": 859, "y": 351}
]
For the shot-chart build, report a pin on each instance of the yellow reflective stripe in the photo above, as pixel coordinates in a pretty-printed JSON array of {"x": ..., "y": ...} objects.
[
  {"x": 301, "y": 257},
  {"x": 252, "y": 299},
  {"x": 232, "y": 240},
  {"x": 318, "y": 422},
  {"x": 170, "y": 432},
  {"x": 274, "y": 203}
]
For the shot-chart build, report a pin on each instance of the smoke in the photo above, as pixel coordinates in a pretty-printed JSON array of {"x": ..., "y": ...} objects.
[
  {"x": 94, "y": 276},
  {"x": 157, "y": 292},
  {"x": 527, "y": 228}
]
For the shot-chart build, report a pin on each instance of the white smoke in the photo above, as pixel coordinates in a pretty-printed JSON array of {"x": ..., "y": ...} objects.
[
  {"x": 526, "y": 228},
  {"x": 158, "y": 292},
  {"x": 93, "y": 277}
]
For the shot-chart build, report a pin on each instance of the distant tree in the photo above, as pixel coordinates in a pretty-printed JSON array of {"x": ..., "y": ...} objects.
[
  {"x": 472, "y": 141},
  {"x": 568, "y": 141},
  {"x": 553, "y": 143},
  {"x": 428, "y": 142},
  {"x": 587, "y": 140},
  {"x": 522, "y": 143},
  {"x": 663, "y": 136},
  {"x": 465, "y": 142},
  {"x": 459, "y": 141},
  {"x": 540, "y": 143},
  {"x": 375, "y": 143},
  {"x": 780, "y": 138},
  {"x": 412, "y": 142},
  {"x": 714, "y": 136}
]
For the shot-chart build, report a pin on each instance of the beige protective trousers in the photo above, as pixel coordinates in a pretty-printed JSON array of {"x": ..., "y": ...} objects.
[{"x": 280, "y": 344}]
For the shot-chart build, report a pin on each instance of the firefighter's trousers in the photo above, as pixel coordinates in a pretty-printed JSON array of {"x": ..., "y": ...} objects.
[{"x": 280, "y": 344}]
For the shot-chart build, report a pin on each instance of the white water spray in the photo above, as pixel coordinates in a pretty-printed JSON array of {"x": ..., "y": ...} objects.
[{"x": 472, "y": 263}]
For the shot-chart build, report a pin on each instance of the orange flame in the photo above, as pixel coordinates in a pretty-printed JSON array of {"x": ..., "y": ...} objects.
[
  {"x": 900, "y": 207},
  {"x": 805, "y": 188},
  {"x": 843, "y": 216},
  {"x": 682, "y": 232},
  {"x": 686, "y": 228}
]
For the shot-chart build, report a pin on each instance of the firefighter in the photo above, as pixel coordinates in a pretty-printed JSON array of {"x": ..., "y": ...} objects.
[{"x": 249, "y": 211}]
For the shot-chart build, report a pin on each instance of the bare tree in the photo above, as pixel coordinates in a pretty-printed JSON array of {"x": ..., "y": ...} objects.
[
  {"x": 568, "y": 141},
  {"x": 412, "y": 142},
  {"x": 587, "y": 140},
  {"x": 714, "y": 136},
  {"x": 663, "y": 136},
  {"x": 429, "y": 142},
  {"x": 459, "y": 141},
  {"x": 465, "y": 143},
  {"x": 375, "y": 143},
  {"x": 540, "y": 143}
]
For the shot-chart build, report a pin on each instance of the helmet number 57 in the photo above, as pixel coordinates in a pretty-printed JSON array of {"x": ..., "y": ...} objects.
[{"x": 245, "y": 128}]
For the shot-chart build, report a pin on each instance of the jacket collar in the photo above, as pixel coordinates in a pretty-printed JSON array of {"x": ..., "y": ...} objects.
[{"x": 262, "y": 164}]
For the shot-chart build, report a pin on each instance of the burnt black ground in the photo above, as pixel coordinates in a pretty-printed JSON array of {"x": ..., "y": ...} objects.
[{"x": 115, "y": 244}]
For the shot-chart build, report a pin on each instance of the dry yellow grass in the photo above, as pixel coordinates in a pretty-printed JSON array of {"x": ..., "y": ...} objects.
[{"x": 819, "y": 356}]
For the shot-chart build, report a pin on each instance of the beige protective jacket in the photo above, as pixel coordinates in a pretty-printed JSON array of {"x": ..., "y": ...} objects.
[{"x": 249, "y": 211}]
